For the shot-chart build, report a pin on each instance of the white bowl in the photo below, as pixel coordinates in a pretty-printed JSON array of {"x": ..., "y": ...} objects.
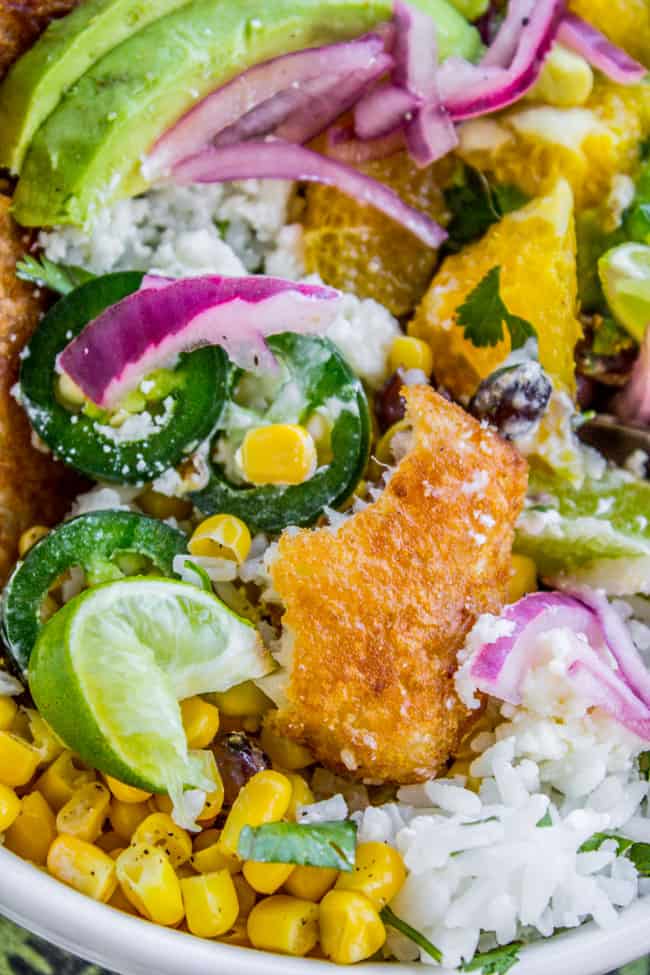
[{"x": 130, "y": 946}]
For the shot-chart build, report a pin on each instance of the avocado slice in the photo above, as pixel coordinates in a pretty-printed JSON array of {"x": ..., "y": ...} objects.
[
  {"x": 63, "y": 53},
  {"x": 89, "y": 150},
  {"x": 456, "y": 36}
]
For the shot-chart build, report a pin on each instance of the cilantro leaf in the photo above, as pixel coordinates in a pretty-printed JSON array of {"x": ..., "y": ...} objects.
[
  {"x": 310, "y": 845},
  {"x": 475, "y": 205},
  {"x": 483, "y": 314},
  {"x": 496, "y": 962},
  {"x": 638, "y": 853},
  {"x": 393, "y": 921},
  {"x": 644, "y": 765},
  {"x": 63, "y": 278}
]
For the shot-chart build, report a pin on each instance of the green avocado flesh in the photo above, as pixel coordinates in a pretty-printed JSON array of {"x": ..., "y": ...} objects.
[
  {"x": 89, "y": 151},
  {"x": 454, "y": 35},
  {"x": 36, "y": 83}
]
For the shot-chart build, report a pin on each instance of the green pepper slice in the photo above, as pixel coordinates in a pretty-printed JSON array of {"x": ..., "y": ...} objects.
[
  {"x": 315, "y": 377},
  {"x": 92, "y": 541},
  {"x": 192, "y": 407}
]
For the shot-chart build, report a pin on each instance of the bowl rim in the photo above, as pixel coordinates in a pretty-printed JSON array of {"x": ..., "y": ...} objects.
[{"x": 132, "y": 946}]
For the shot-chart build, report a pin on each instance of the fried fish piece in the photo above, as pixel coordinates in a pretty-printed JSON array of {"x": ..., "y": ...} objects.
[
  {"x": 376, "y": 610},
  {"x": 21, "y": 21},
  {"x": 33, "y": 488}
]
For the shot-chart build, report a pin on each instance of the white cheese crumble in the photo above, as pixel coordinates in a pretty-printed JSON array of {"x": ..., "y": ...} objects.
[{"x": 364, "y": 331}]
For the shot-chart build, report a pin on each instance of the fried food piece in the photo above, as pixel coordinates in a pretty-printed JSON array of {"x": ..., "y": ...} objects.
[
  {"x": 21, "y": 21},
  {"x": 377, "y": 610},
  {"x": 33, "y": 488}
]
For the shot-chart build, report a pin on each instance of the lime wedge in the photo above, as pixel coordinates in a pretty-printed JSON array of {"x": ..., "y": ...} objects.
[
  {"x": 109, "y": 668},
  {"x": 625, "y": 276},
  {"x": 597, "y": 534}
]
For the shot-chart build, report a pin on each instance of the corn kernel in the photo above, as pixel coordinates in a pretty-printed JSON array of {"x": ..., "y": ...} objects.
[
  {"x": 566, "y": 79},
  {"x": 282, "y": 453},
  {"x": 301, "y": 795},
  {"x": 161, "y": 832},
  {"x": 211, "y": 905},
  {"x": 18, "y": 760},
  {"x": 244, "y": 699},
  {"x": 245, "y": 895},
  {"x": 68, "y": 392},
  {"x": 125, "y": 793},
  {"x": 48, "y": 745},
  {"x": 8, "y": 708},
  {"x": 238, "y": 936},
  {"x": 63, "y": 777},
  {"x": 221, "y": 536},
  {"x": 379, "y": 873},
  {"x": 213, "y": 805},
  {"x": 284, "y": 924},
  {"x": 125, "y": 817},
  {"x": 200, "y": 720},
  {"x": 350, "y": 927},
  {"x": 82, "y": 866},
  {"x": 85, "y": 812},
  {"x": 210, "y": 859},
  {"x": 109, "y": 842},
  {"x": 163, "y": 804},
  {"x": 311, "y": 883},
  {"x": 33, "y": 831},
  {"x": 407, "y": 352},
  {"x": 121, "y": 902},
  {"x": 148, "y": 880},
  {"x": 29, "y": 538},
  {"x": 523, "y": 577},
  {"x": 284, "y": 752},
  {"x": 266, "y": 878},
  {"x": 163, "y": 506},
  {"x": 9, "y": 807},
  {"x": 264, "y": 799}
]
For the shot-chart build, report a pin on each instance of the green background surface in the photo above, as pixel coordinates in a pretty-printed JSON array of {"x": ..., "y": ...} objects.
[{"x": 23, "y": 954}]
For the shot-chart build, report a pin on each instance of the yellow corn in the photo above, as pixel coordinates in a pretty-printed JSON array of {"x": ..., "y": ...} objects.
[
  {"x": 18, "y": 760},
  {"x": 222, "y": 536},
  {"x": 125, "y": 817},
  {"x": 33, "y": 831},
  {"x": 566, "y": 79},
  {"x": 161, "y": 832},
  {"x": 63, "y": 777},
  {"x": 523, "y": 577},
  {"x": 125, "y": 793},
  {"x": 350, "y": 927},
  {"x": 121, "y": 902},
  {"x": 148, "y": 881},
  {"x": 301, "y": 795},
  {"x": 85, "y": 812},
  {"x": 264, "y": 799},
  {"x": 407, "y": 352},
  {"x": 8, "y": 708},
  {"x": 9, "y": 807},
  {"x": 213, "y": 804},
  {"x": 245, "y": 895},
  {"x": 30, "y": 537},
  {"x": 210, "y": 859},
  {"x": 82, "y": 866},
  {"x": 282, "y": 453},
  {"x": 284, "y": 752},
  {"x": 68, "y": 392},
  {"x": 211, "y": 905},
  {"x": 48, "y": 745},
  {"x": 163, "y": 804},
  {"x": 379, "y": 873},
  {"x": 266, "y": 878},
  {"x": 284, "y": 924},
  {"x": 242, "y": 700},
  {"x": 238, "y": 936},
  {"x": 163, "y": 506},
  {"x": 109, "y": 842},
  {"x": 200, "y": 720},
  {"x": 311, "y": 883}
]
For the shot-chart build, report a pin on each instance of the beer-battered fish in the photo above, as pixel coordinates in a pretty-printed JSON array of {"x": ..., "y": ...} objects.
[
  {"x": 377, "y": 609},
  {"x": 21, "y": 21}
]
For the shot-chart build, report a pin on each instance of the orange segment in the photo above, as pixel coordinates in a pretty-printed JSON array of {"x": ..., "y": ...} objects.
[
  {"x": 356, "y": 248},
  {"x": 535, "y": 248}
]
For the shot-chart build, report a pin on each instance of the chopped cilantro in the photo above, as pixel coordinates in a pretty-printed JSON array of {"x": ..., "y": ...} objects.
[
  {"x": 483, "y": 314},
  {"x": 638, "y": 853},
  {"x": 475, "y": 205},
  {"x": 545, "y": 820},
  {"x": 496, "y": 962},
  {"x": 223, "y": 226},
  {"x": 393, "y": 921},
  {"x": 312, "y": 845},
  {"x": 644, "y": 765},
  {"x": 46, "y": 274}
]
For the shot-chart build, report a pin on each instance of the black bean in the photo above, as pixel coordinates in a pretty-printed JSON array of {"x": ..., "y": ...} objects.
[
  {"x": 513, "y": 399},
  {"x": 239, "y": 758}
]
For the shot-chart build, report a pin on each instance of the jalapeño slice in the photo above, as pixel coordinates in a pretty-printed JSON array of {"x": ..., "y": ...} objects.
[
  {"x": 315, "y": 379},
  {"x": 188, "y": 413},
  {"x": 93, "y": 542}
]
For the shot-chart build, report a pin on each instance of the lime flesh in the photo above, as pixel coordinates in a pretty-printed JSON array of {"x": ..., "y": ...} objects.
[
  {"x": 625, "y": 276},
  {"x": 109, "y": 668}
]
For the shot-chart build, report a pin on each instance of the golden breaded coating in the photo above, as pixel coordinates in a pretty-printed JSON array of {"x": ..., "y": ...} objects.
[
  {"x": 32, "y": 487},
  {"x": 21, "y": 21},
  {"x": 379, "y": 608}
]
